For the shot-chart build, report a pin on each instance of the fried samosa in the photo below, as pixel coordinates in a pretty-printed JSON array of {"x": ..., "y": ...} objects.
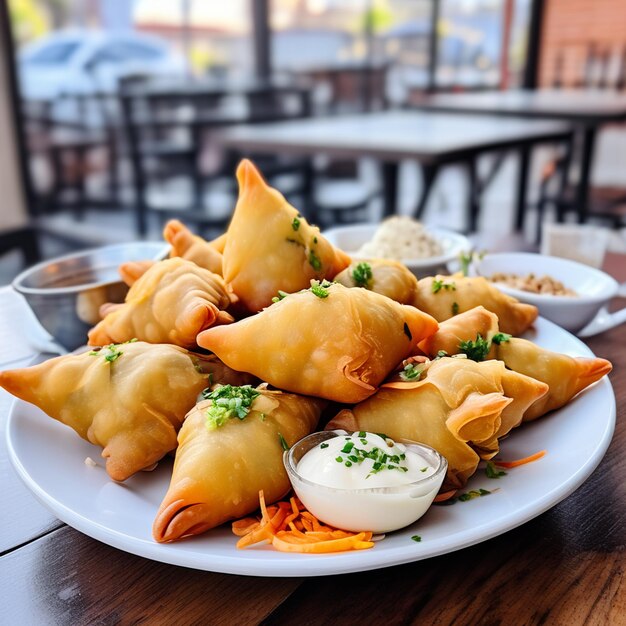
[
  {"x": 223, "y": 461},
  {"x": 384, "y": 276},
  {"x": 270, "y": 247},
  {"x": 462, "y": 327},
  {"x": 171, "y": 303},
  {"x": 192, "y": 247},
  {"x": 132, "y": 271},
  {"x": 565, "y": 375},
  {"x": 424, "y": 412},
  {"x": 445, "y": 296},
  {"x": 130, "y": 398},
  {"x": 327, "y": 341},
  {"x": 457, "y": 377}
]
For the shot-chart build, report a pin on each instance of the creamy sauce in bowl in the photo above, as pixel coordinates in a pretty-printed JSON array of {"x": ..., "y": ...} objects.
[{"x": 364, "y": 481}]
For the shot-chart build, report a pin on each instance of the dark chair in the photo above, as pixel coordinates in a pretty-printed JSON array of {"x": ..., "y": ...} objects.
[
  {"x": 72, "y": 134},
  {"x": 605, "y": 203},
  {"x": 164, "y": 131}
]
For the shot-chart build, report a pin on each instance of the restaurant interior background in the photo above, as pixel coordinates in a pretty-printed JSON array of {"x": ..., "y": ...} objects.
[{"x": 112, "y": 109}]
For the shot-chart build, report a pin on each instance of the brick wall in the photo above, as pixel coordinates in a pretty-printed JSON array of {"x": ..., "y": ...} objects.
[{"x": 571, "y": 27}]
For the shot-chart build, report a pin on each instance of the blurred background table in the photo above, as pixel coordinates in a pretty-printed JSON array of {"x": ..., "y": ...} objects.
[
  {"x": 563, "y": 567},
  {"x": 431, "y": 139},
  {"x": 587, "y": 110}
]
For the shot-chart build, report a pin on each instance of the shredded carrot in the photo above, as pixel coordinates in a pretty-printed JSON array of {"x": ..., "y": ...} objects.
[
  {"x": 289, "y": 527},
  {"x": 518, "y": 462},
  {"x": 446, "y": 495}
]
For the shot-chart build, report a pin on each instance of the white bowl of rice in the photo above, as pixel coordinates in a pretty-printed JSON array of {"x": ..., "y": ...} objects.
[{"x": 422, "y": 249}]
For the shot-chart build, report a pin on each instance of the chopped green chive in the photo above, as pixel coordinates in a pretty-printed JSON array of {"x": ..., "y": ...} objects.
[
  {"x": 492, "y": 471},
  {"x": 416, "y": 538},
  {"x": 283, "y": 443},
  {"x": 455, "y": 308},
  {"x": 320, "y": 289},
  {"x": 323, "y": 445},
  {"x": 110, "y": 352},
  {"x": 362, "y": 275},
  {"x": 281, "y": 295},
  {"x": 475, "y": 350},
  {"x": 227, "y": 402},
  {"x": 439, "y": 284},
  {"x": 295, "y": 224},
  {"x": 499, "y": 338},
  {"x": 314, "y": 261},
  {"x": 411, "y": 372}
]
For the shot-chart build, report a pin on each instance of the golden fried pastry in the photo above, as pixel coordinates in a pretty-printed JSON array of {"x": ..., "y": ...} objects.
[
  {"x": 565, "y": 375},
  {"x": 384, "y": 276},
  {"x": 192, "y": 247},
  {"x": 227, "y": 455},
  {"x": 171, "y": 303},
  {"x": 326, "y": 341},
  {"x": 445, "y": 296},
  {"x": 130, "y": 399},
  {"x": 270, "y": 247}
]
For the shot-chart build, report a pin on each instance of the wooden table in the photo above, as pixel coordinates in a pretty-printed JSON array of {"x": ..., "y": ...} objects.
[
  {"x": 588, "y": 110},
  {"x": 564, "y": 567},
  {"x": 431, "y": 139}
]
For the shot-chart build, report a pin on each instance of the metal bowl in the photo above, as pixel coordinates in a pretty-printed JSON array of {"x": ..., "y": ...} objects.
[{"x": 66, "y": 293}]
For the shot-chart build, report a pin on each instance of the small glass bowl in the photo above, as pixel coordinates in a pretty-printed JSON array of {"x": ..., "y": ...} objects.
[{"x": 377, "y": 509}]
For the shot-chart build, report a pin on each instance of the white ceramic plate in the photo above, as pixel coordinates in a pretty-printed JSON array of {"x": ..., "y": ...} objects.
[
  {"x": 351, "y": 238},
  {"x": 49, "y": 457}
]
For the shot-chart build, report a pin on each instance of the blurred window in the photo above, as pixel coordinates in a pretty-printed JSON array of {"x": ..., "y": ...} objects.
[
  {"x": 470, "y": 43},
  {"x": 122, "y": 52},
  {"x": 54, "y": 53}
]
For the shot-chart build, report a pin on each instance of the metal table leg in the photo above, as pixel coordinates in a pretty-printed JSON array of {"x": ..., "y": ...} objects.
[
  {"x": 586, "y": 159},
  {"x": 429, "y": 174},
  {"x": 390, "y": 187},
  {"x": 522, "y": 187}
]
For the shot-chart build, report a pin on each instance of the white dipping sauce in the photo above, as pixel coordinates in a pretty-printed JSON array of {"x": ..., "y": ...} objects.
[{"x": 384, "y": 485}]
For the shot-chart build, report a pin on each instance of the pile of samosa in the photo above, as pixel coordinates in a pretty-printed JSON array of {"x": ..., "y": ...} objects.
[{"x": 267, "y": 324}]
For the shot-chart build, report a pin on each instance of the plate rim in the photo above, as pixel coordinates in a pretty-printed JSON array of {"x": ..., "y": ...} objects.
[{"x": 267, "y": 563}]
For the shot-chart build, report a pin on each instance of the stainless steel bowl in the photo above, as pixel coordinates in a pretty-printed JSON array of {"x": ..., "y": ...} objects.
[{"x": 66, "y": 293}]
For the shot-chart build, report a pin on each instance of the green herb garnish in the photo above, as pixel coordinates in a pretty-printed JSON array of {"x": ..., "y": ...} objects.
[
  {"x": 416, "y": 538},
  {"x": 455, "y": 308},
  {"x": 283, "y": 443},
  {"x": 227, "y": 402},
  {"x": 411, "y": 371},
  {"x": 362, "y": 275},
  {"x": 110, "y": 352},
  {"x": 441, "y": 354},
  {"x": 281, "y": 295},
  {"x": 476, "y": 350},
  {"x": 439, "y": 284},
  {"x": 314, "y": 261},
  {"x": 323, "y": 445},
  {"x": 474, "y": 493},
  {"x": 492, "y": 471},
  {"x": 295, "y": 224},
  {"x": 499, "y": 338},
  {"x": 320, "y": 289},
  {"x": 465, "y": 258}
]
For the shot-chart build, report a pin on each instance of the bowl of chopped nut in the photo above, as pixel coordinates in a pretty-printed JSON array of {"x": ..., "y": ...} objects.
[{"x": 568, "y": 293}]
